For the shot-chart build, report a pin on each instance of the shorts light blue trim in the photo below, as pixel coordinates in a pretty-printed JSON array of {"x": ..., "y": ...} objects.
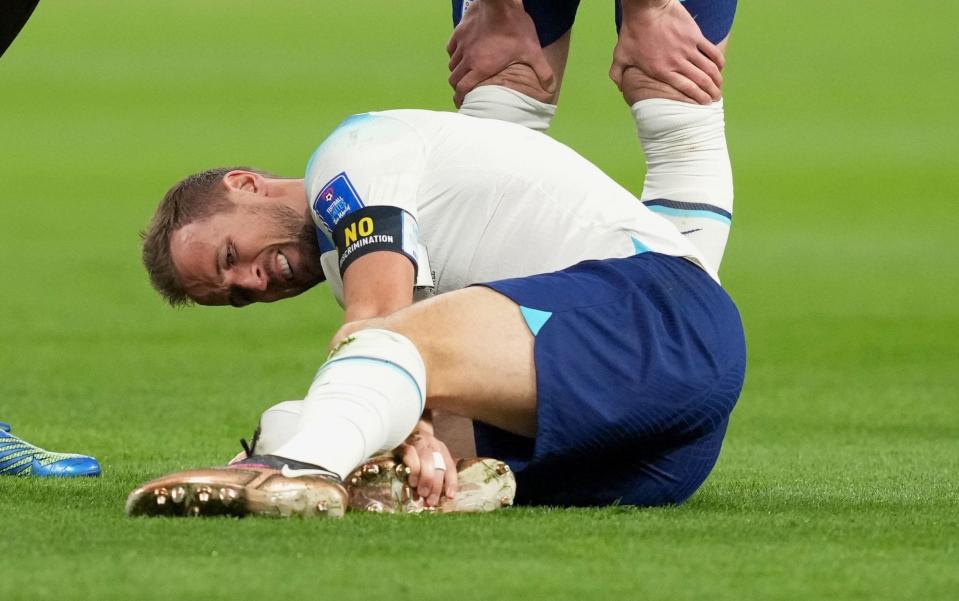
[
  {"x": 639, "y": 246},
  {"x": 535, "y": 319}
]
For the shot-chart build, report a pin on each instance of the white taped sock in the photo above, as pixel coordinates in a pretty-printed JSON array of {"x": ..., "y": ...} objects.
[
  {"x": 500, "y": 102},
  {"x": 687, "y": 164},
  {"x": 366, "y": 399}
]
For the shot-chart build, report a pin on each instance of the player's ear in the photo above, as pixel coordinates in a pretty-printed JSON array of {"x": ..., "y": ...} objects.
[{"x": 247, "y": 181}]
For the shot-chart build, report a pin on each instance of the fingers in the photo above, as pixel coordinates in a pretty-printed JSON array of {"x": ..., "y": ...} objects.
[
  {"x": 465, "y": 84},
  {"x": 452, "y": 44},
  {"x": 616, "y": 74},
  {"x": 443, "y": 478},
  {"x": 456, "y": 57},
  {"x": 410, "y": 456},
  {"x": 695, "y": 81},
  {"x": 457, "y": 73},
  {"x": 713, "y": 53},
  {"x": 431, "y": 480},
  {"x": 709, "y": 68},
  {"x": 702, "y": 79},
  {"x": 687, "y": 88},
  {"x": 450, "y": 480},
  {"x": 431, "y": 484},
  {"x": 544, "y": 72}
]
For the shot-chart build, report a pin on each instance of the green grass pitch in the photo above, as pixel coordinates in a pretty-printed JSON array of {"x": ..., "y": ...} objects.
[{"x": 840, "y": 475}]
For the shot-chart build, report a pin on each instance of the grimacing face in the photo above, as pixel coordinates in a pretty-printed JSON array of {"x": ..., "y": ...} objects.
[{"x": 253, "y": 254}]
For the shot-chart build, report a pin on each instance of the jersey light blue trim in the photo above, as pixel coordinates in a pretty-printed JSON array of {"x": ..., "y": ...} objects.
[
  {"x": 309, "y": 164},
  {"x": 535, "y": 319},
  {"x": 380, "y": 362},
  {"x": 639, "y": 246},
  {"x": 688, "y": 213},
  {"x": 351, "y": 121},
  {"x": 354, "y": 120}
]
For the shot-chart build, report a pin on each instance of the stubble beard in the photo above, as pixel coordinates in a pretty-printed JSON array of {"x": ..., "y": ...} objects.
[{"x": 292, "y": 226}]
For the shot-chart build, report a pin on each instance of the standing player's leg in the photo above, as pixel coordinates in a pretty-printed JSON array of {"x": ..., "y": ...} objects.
[
  {"x": 516, "y": 93},
  {"x": 688, "y": 176},
  {"x": 20, "y": 458},
  {"x": 15, "y": 15}
]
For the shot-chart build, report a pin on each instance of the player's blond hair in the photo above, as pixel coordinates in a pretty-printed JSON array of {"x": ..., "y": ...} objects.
[{"x": 193, "y": 198}]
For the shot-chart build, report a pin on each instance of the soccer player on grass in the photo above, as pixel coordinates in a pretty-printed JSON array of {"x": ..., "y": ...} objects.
[
  {"x": 637, "y": 362},
  {"x": 660, "y": 46}
]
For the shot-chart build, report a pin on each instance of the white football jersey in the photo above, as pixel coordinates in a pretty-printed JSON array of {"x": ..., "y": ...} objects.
[{"x": 470, "y": 200}]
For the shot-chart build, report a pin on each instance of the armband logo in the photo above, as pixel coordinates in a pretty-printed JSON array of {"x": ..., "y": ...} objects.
[
  {"x": 375, "y": 228},
  {"x": 358, "y": 229},
  {"x": 336, "y": 200}
]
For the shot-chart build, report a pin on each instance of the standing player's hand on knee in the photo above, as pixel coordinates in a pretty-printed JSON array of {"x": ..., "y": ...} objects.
[
  {"x": 432, "y": 468},
  {"x": 493, "y": 35},
  {"x": 661, "y": 39}
]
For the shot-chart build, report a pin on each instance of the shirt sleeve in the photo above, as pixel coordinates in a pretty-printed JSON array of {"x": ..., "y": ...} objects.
[{"x": 362, "y": 185}]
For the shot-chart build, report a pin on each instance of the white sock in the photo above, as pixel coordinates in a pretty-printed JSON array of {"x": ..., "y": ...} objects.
[
  {"x": 500, "y": 102},
  {"x": 687, "y": 164},
  {"x": 278, "y": 424},
  {"x": 366, "y": 399}
]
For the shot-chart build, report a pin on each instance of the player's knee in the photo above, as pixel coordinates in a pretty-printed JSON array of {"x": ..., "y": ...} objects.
[
  {"x": 636, "y": 85},
  {"x": 352, "y": 327},
  {"x": 522, "y": 78}
]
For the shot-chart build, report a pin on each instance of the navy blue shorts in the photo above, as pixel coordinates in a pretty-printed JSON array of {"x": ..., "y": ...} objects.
[
  {"x": 553, "y": 18},
  {"x": 639, "y": 362}
]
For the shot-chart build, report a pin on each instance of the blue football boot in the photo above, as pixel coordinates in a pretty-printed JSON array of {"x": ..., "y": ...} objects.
[{"x": 20, "y": 458}]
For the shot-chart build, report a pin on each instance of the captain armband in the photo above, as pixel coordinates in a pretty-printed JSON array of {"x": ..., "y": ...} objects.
[{"x": 376, "y": 228}]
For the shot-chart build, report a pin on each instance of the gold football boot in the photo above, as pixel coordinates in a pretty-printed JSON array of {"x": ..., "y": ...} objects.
[
  {"x": 241, "y": 490},
  {"x": 380, "y": 485}
]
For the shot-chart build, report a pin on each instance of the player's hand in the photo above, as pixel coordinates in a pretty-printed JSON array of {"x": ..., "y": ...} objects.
[
  {"x": 662, "y": 40},
  {"x": 493, "y": 35},
  {"x": 431, "y": 484}
]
